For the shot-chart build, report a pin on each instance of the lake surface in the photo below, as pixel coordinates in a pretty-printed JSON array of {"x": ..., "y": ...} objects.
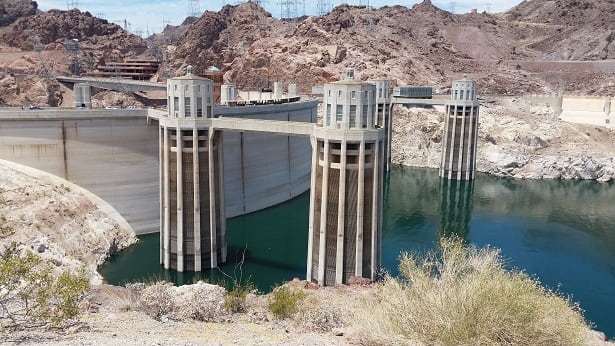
[{"x": 561, "y": 232}]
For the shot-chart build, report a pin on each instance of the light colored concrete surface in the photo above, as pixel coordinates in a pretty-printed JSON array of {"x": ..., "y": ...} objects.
[
  {"x": 586, "y": 104},
  {"x": 114, "y": 83}
]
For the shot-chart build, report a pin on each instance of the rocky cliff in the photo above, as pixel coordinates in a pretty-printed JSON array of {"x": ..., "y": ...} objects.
[
  {"x": 420, "y": 46},
  {"x": 57, "y": 222},
  {"x": 11, "y": 10},
  {"x": 515, "y": 140}
]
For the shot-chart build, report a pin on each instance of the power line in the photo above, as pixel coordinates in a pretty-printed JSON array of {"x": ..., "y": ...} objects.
[
  {"x": 124, "y": 23},
  {"x": 323, "y": 6},
  {"x": 70, "y": 4},
  {"x": 195, "y": 8},
  {"x": 288, "y": 9}
]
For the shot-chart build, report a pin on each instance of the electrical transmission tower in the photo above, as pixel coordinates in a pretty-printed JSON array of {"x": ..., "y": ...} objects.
[
  {"x": 452, "y": 6},
  {"x": 288, "y": 9},
  {"x": 195, "y": 8},
  {"x": 364, "y": 3},
  {"x": 72, "y": 45},
  {"x": 70, "y": 4},
  {"x": 323, "y": 6},
  {"x": 488, "y": 7},
  {"x": 123, "y": 23}
]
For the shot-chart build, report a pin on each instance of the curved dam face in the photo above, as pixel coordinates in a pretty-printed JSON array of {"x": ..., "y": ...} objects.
[{"x": 114, "y": 154}]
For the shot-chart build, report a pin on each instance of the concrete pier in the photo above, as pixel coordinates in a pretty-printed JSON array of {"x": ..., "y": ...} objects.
[
  {"x": 346, "y": 186},
  {"x": 193, "y": 222},
  {"x": 83, "y": 95},
  {"x": 460, "y": 132}
]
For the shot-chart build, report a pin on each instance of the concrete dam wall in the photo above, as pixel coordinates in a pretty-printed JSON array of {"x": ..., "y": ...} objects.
[{"x": 114, "y": 154}]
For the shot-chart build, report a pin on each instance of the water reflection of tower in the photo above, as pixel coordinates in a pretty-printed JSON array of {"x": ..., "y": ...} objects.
[{"x": 456, "y": 200}]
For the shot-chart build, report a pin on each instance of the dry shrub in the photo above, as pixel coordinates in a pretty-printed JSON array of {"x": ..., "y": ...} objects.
[
  {"x": 317, "y": 316},
  {"x": 157, "y": 300},
  {"x": 464, "y": 296},
  {"x": 201, "y": 302}
]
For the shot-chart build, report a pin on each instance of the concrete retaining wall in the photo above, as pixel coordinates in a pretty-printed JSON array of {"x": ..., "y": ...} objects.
[
  {"x": 587, "y": 110},
  {"x": 114, "y": 154},
  {"x": 590, "y": 110}
]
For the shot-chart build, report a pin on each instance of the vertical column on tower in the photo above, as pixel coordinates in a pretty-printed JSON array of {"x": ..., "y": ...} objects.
[{"x": 383, "y": 117}]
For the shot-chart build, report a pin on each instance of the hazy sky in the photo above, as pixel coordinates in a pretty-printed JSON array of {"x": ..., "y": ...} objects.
[{"x": 149, "y": 15}]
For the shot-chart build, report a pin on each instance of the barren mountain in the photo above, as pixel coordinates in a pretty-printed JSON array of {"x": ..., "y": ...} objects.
[
  {"x": 421, "y": 46},
  {"x": 37, "y": 46},
  {"x": 11, "y": 10},
  {"x": 529, "y": 49},
  {"x": 574, "y": 29}
]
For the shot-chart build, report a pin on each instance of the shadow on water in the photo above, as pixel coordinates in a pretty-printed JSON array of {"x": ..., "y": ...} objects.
[{"x": 563, "y": 232}]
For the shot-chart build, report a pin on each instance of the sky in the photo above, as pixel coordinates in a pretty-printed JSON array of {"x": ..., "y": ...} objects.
[{"x": 150, "y": 16}]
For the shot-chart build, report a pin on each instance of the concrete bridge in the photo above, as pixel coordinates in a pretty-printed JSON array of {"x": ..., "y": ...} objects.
[{"x": 118, "y": 84}]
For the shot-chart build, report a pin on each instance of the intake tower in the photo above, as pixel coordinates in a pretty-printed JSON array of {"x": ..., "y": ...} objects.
[{"x": 346, "y": 186}]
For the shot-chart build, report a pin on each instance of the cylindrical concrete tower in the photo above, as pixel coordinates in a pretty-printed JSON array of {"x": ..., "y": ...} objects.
[
  {"x": 346, "y": 187},
  {"x": 460, "y": 132},
  {"x": 192, "y": 222}
]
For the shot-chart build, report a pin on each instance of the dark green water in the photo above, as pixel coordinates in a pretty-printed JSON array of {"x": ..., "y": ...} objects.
[{"x": 562, "y": 232}]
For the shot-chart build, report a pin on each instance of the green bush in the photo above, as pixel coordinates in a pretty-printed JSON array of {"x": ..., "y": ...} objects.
[
  {"x": 464, "y": 296},
  {"x": 30, "y": 292},
  {"x": 235, "y": 299},
  {"x": 285, "y": 301}
]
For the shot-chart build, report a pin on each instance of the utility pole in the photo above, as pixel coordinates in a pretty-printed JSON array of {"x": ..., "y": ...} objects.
[{"x": 195, "y": 8}]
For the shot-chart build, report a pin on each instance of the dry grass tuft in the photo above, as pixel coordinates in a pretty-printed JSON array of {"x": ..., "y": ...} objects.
[
  {"x": 315, "y": 315},
  {"x": 464, "y": 296}
]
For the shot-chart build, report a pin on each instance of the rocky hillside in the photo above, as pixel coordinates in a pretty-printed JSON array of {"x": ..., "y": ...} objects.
[
  {"x": 515, "y": 52},
  {"x": 57, "y": 222},
  {"x": 51, "y": 30},
  {"x": 11, "y": 10},
  {"x": 421, "y": 46},
  {"x": 573, "y": 29},
  {"x": 35, "y": 46},
  {"x": 515, "y": 140}
]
